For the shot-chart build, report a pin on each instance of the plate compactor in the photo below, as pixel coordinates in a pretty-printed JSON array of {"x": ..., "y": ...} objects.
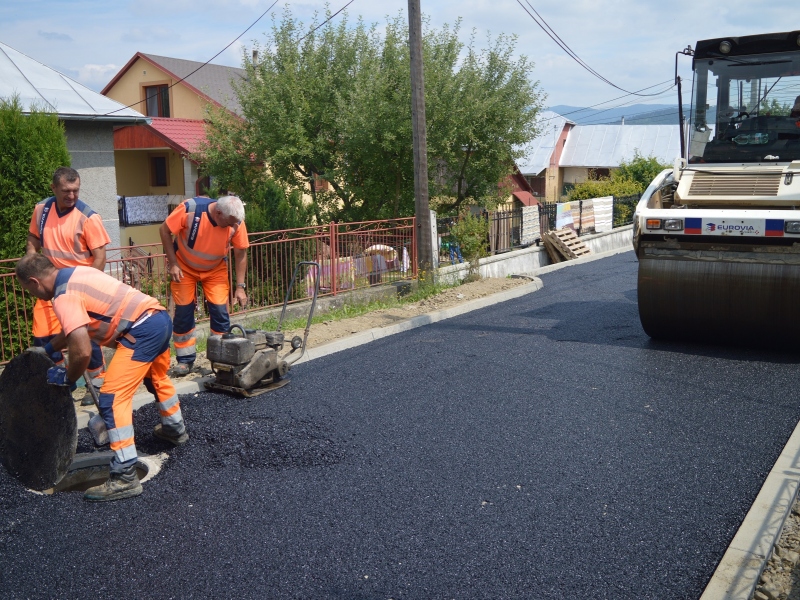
[{"x": 249, "y": 362}]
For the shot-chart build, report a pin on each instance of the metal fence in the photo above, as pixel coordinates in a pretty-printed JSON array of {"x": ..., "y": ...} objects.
[
  {"x": 350, "y": 255},
  {"x": 622, "y": 213}
]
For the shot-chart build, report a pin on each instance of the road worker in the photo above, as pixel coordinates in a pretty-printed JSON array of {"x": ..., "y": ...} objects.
[
  {"x": 204, "y": 231},
  {"x": 92, "y": 306},
  {"x": 70, "y": 234}
]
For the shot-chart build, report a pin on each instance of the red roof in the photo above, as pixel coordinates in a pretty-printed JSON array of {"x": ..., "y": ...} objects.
[
  {"x": 526, "y": 198},
  {"x": 182, "y": 135},
  {"x": 186, "y": 134}
]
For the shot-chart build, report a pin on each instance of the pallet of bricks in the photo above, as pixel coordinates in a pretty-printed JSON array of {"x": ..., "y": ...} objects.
[{"x": 563, "y": 244}]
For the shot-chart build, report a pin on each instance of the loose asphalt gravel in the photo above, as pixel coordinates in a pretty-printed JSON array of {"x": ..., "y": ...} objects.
[{"x": 540, "y": 448}]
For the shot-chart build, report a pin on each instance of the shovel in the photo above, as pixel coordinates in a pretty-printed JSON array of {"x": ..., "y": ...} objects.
[{"x": 96, "y": 424}]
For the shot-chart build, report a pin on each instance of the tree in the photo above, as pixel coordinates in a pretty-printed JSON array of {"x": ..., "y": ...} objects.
[
  {"x": 337, "y": 107},
  {"x": 32, "y": 147}
]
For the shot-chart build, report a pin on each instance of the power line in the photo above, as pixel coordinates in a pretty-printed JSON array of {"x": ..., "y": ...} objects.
[
  {"x": 656, "y": 95},
  {"x": 201, "y": 66},
  {"x": 554, "y": 36},
  {"x": 624, "y": 104},
  {"x": 325, "y": 21}
]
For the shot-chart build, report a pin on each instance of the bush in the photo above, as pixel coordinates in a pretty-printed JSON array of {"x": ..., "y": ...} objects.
[
  {"x": 631, "y": 179},
  {"x": 32, "y": 147},
  {"x": 471, "y": 233}
]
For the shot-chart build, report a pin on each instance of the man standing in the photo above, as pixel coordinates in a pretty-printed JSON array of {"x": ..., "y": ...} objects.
[
  {"x": 92, "y": 306},
  {"x": 70, "y": 234},
  {"x": 204, "y": 232}
]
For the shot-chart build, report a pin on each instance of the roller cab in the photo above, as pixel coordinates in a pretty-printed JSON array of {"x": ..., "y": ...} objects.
[{"x": 718, "y": 236}]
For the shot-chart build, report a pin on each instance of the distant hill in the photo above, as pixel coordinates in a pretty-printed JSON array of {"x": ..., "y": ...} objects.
[{"x": 636, "y": 114}]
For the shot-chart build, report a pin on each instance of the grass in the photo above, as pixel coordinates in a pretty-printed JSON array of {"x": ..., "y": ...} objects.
[{"x": 425, "y": 289}]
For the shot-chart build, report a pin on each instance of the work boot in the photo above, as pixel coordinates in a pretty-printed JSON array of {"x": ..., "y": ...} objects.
[
  {"x": 182, "y": 369},
  {"x": 87, "y": 396},
  {"x": 171, "y": 435},
  {"x": 118, "y": 486}
]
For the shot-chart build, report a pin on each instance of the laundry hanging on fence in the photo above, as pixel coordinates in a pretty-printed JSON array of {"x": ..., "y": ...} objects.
[
  {"x": 587, "y": 216},
  {"x": 345, "y": 275},
  {"x": 603, "y": 213},
  {"x": 564, "y": 215},
  {"x": 141, "y": 210},
  {"x": 530, "y": 225}
]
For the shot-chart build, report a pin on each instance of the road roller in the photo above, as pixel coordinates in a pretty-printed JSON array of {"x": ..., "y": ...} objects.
[{"x": 717, "y": 236}]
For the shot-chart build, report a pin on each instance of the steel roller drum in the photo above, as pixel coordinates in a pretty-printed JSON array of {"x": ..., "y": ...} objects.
[
  {"x": 38, "y": 425},
  {"x": 724, "y": 302}
]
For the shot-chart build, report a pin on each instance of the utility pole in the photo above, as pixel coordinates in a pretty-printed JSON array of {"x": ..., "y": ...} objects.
[{"x": 420, "y": 139}]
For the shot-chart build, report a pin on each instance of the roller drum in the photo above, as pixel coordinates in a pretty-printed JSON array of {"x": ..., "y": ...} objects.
[{"x": 725, "y": 302}]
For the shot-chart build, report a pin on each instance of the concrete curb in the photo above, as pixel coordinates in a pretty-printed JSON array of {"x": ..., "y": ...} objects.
[{"x": 738, "y": 572}]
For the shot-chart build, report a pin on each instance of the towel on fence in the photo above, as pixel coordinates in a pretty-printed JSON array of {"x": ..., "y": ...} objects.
[
  {"x": 564, "y": 216},
  {"x": 603, "y": 214},
  {"x": 587, "y": 216},
  {"x": 530, "y": 225},
  {"x": 345, "y": 275},
  {"x": 140, "y": 210}
]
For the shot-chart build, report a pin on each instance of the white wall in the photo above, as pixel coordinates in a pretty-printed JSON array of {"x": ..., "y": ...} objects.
[{"x": 91, "y": 146}]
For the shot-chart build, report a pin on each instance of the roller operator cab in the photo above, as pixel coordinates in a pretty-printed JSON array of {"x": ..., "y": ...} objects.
[{"x": 718, "y": 236}]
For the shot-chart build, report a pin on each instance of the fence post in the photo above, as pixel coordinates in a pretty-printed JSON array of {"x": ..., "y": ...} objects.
[{"x": 334, "y": 258}]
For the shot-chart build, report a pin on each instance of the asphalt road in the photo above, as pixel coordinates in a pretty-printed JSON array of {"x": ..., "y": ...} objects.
[{"x": 540, "y": 448}]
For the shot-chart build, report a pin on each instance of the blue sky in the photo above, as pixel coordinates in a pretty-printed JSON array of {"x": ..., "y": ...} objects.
[{"x": 630, "y": 42}]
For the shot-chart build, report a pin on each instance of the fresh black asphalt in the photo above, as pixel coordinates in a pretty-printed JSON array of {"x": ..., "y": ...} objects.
[{"x": 540, "y": 448}]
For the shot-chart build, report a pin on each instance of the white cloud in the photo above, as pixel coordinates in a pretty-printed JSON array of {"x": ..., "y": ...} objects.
[{"x": 96, "y": 76}]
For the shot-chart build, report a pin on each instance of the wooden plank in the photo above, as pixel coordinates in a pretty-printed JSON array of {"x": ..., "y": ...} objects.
[
  {"x": 552, "y": 249},
  {"x": 568, "y": 243}
]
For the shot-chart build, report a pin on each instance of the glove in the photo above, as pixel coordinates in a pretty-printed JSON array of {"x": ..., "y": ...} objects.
[{"x": 58, "y": 376}]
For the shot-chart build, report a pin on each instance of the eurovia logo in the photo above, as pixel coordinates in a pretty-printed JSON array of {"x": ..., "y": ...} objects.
[{"x": 711, "y": 226}]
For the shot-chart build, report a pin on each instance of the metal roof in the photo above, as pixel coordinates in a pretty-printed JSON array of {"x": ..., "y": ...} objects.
[
  {"x": 39, "y": 86},
  {"x": 607, "y": 146},
  {"x": 212, "y": 80},
  {"x": 538, "y": 152}
]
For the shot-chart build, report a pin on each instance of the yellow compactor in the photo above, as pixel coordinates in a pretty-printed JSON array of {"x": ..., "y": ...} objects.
[{"x": 718, "y": 236}]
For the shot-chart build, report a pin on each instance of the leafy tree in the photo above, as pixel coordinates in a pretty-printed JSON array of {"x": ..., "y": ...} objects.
[
  {"x": 337, "y": 106},
  {"x": 775, "y": 108},
  {"x": 32, "y": 147}
]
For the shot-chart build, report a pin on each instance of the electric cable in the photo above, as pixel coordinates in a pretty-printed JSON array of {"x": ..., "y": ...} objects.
[
  {"x": 204, "y": 64},
  {"x": 561, "y": 44},
  {"x": 325, "y": 21}
]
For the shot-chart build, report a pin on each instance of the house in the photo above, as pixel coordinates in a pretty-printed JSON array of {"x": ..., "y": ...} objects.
[
  {"x": 154, "y": 169},
  {"x": 89, "y": 120},
  {"x": 565, "y": 154}
]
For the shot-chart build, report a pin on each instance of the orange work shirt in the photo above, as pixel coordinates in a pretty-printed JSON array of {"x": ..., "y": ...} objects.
[
  {"x": 106, "y": 306},
  {"x": 68, "y": 239},
  {"x": 200, "y": 243}
]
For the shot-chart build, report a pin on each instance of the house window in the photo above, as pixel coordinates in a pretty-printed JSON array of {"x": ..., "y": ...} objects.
[
  {"x": 159, "y": 171},
  {"x": 157, "y": 100},
  {"x": 320, "y": 184}
]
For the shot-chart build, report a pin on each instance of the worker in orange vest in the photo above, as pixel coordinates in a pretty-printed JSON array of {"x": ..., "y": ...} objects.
[
  {"x": 70, "y": 234},
  {"x": 204, "y": 230},
  {"x": 94, "y": 307}
]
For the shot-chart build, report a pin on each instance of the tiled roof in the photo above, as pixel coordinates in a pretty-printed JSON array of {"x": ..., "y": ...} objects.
[
  {"x": 38, "y": 85},
  {"x": 212, "y": 80},
  {"x": 185, "y": 134}
]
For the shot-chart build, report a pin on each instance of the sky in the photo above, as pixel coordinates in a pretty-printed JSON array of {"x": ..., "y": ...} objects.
[{"x": 631, "y": 43}]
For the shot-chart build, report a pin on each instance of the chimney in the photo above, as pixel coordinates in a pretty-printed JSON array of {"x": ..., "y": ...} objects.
[
  {"x": 623, "y": 120},
  {"x": 255, "y": 56}
]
